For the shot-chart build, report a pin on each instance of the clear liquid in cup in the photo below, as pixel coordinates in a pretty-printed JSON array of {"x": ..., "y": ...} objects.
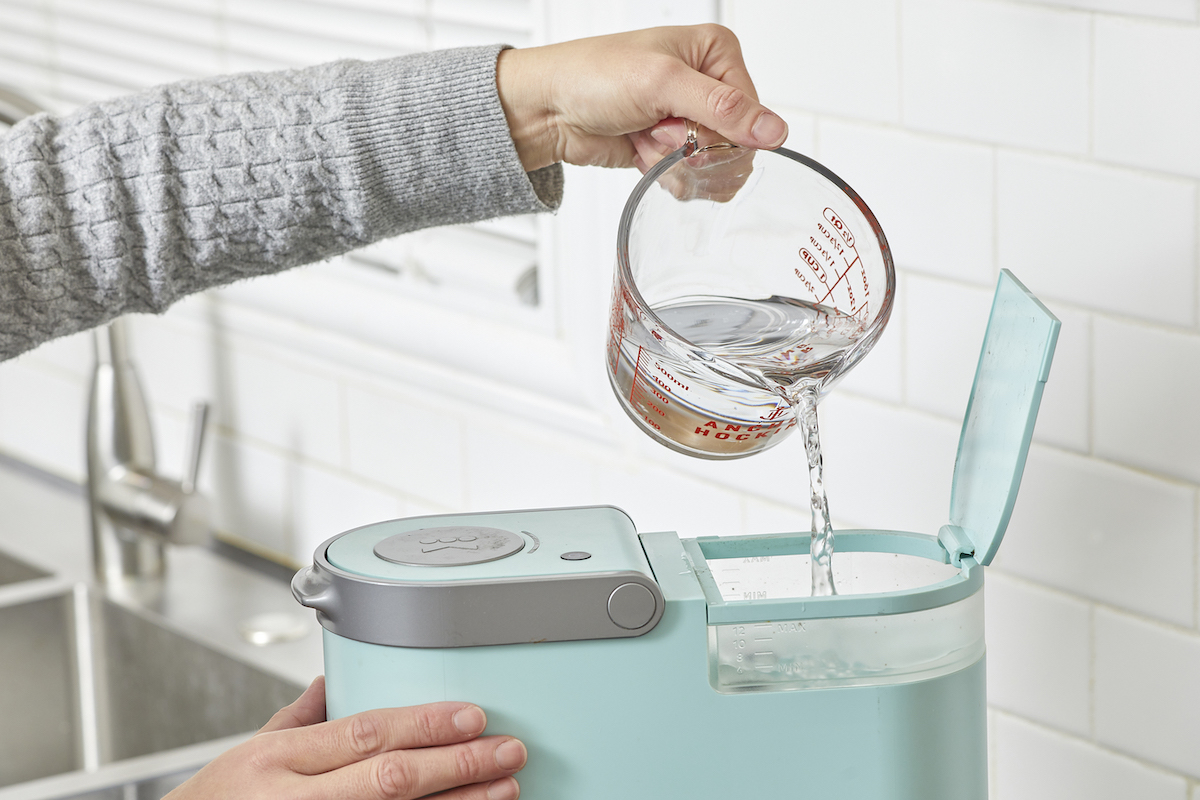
[
  {"x": 780, "y": 340},
  {"x": 729, "y": 388}
]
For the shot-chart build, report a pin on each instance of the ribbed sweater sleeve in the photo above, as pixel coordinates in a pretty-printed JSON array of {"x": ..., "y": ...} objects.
[{"x": 130, "y": 204}]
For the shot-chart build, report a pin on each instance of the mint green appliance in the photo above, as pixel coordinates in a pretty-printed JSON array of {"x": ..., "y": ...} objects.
[{"x": 632, "y": 665}]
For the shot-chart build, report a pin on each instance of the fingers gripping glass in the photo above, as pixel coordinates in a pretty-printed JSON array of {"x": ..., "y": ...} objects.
[{"x": 742, "y": 277}]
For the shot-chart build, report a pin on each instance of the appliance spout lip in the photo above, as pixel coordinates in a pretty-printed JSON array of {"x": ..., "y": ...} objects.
[{"x": 313, "y": 588}]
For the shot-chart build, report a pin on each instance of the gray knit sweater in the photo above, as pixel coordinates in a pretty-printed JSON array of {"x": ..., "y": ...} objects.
[{"x": 130, "y": 204}]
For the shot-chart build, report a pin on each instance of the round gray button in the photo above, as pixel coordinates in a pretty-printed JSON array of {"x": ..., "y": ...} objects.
[
  {"x": 575, "y": 555},
  {"x": 453, "y": 546},
  {"x": 631, "y": 605}
]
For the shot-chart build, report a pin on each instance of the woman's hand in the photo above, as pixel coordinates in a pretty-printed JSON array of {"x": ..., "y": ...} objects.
[
  {"x": 391, "y": 753},
  {"x": 620, "y": 100}
]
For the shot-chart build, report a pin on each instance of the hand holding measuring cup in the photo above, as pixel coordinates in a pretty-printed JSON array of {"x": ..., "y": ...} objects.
[
  {"x": 616, "y": 100},
  {"x": 737, "y": 287}
]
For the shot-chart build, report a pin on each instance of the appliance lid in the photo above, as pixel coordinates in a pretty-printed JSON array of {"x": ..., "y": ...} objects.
[
  {"x": 468, "y": 580},
  {"x": 491, "y": 546},
  {"x": 1018, "y": 348}
]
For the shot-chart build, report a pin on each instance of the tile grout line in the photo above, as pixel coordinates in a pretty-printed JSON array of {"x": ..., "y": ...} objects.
[
  {"x": 899, "y": 7},
  {"x": 1196, "y": 255},
  {"x": 1090, "y": 410},
  {"x": 1091, "y": 88},
  {"x": 1092, "y": 671},
  {"x": 1098, "y": 605},
  {"x": 993, "y": 752},
  {"x": 1106, "y": 749},
  {"x": 1196, "y": 559}
]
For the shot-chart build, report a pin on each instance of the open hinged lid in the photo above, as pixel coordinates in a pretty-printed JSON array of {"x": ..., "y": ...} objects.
[{"x": 1013, "y": 366}]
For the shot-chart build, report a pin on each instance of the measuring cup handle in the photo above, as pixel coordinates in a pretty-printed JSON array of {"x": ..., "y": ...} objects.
[{"x": 693, "y": 131}]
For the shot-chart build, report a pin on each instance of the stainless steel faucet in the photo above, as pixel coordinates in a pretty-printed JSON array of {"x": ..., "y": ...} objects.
[{"x": 134, "y": 510}]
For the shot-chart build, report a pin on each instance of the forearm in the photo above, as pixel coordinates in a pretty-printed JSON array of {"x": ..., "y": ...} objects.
[{"x": 130, "y": 204}]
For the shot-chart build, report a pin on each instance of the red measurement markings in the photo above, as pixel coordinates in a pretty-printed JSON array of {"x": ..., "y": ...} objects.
[
  {"x": 641, "y": 400},
  {"x": 839, "y": 243},
  {"x": 822, "y": 250},
  {"x": 839, "y": 226},
  {"x": 848, "y": 237},
  {"x": 671, "y": 378},
  {"x": 778, "y": 410},
  {"x": 839, "y": 280},
  {"x": 807, "y": 283},
  {"x": 637, "y": 372},
  {"x": 813, "y": 264}
]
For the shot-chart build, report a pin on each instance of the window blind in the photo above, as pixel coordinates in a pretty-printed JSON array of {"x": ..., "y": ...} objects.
[{"x": 66, "y": 53}]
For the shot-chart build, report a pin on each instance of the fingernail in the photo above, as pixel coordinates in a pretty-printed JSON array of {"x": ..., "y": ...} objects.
[
  {"x": 503, "y": 789},
  {"x": 470, "y": 720},
  {"x": 769, "y": 130},
  {"x": 510, "y": 755}
]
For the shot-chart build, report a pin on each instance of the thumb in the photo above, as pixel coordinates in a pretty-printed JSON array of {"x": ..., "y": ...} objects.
[
  {"x": 308, "y": 709},
  {"x": 730, "y": 111}
]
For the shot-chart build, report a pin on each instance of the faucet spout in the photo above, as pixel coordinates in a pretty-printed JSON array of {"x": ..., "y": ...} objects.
[{"x": 135, "y": 510}]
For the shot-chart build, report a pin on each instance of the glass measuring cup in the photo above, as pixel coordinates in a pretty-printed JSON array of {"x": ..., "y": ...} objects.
[{"x": 743, "y": 278}]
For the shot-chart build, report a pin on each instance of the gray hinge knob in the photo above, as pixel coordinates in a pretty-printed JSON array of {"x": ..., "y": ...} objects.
[{"x": 631, "y": 606}]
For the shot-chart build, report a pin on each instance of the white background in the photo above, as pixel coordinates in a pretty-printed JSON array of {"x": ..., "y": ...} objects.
[{"x": 1060, "y": 140}]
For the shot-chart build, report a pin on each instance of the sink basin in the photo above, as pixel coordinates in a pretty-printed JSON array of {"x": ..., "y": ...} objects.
[
  {"x": 14, "y": 570},
  {"x": 86, "y": 682}
]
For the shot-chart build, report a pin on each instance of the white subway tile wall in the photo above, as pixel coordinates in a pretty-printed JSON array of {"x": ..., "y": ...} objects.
[
  {"x": 919, "y": 184},
  {"x": 411, "y": 446},
  {"x": 1167, "y": 9},
  {"x": 326, "y": 501},
  {"x": 1095, "y": 236},
  {"x": 1037, "y": 763},
  {"x": 1028, "y": 628},
  {"x": 1005, "y": 73},
  {"x": 1059, "y": 139},
  {"x": 1146, "y": 701},
  {"x": 943, "y": 326},
  {"x": 840, "y": 59},
  {"x": 1148, "y": 421},
  {"x": 1106, "y": 532},
  {"x": 1142, "y": 121}
]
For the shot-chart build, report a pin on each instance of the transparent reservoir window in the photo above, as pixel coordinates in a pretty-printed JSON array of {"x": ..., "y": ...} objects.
[{"x": 784, "y": 655}]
